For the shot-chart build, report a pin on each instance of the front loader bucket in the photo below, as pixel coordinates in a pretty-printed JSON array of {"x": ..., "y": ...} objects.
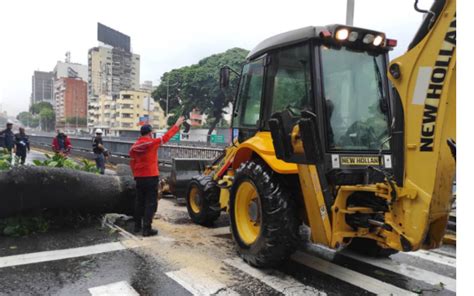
[{"x": 182, "y": 171}]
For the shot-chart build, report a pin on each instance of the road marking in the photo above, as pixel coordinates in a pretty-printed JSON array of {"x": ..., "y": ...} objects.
[
  {"x": 59, "y": 254},
  {"x": 281, "y": 282},
  {"x": 352, "y": 277},
  {"x": 433, "y": 257},
  {"x": 120, "y": 288},
  {"x": 444, "y": 253},
  {"x": 196, "y": 281},
  {"x": 130, "y": 238},
  {"x": 407, "y": 270}
]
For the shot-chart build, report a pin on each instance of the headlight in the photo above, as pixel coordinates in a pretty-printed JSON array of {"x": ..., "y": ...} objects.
[
  {"x": 378, "y": 40},
  {"x": 368, "y": 38},
  {"x": 353, "y": 36},
  {"x": 342, "y": 34}
]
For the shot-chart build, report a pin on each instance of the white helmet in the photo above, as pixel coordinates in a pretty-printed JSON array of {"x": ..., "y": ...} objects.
[
  {"x": 9, "y": 121},
  {"x": 98, "y": 131}
]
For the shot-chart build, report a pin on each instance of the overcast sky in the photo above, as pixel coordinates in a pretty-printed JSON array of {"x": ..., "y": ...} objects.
[{"x": 36, "y": 34}]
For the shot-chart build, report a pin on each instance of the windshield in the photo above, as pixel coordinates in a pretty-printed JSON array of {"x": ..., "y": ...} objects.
[{"x": 355, "y": 99}]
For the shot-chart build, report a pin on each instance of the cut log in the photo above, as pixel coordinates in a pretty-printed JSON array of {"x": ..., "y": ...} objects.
[{"x": 27, "y": 188}]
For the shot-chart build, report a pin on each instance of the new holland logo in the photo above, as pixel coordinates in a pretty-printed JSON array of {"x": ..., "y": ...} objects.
[
  {"x": 435, "y": 88},
  {"x": 359, "y": 160}
]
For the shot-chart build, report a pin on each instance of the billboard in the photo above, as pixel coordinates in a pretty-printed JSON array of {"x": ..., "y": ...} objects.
[{"x": 112, "y": 37}]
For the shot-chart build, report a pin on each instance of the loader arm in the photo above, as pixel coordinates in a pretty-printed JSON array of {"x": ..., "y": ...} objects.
[{"x": 424, "y": 81}]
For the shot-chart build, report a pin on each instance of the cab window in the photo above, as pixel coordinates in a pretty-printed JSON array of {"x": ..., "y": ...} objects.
[
  {"x": 289, "y": 80},
  {"x": 247, "y": 113}
]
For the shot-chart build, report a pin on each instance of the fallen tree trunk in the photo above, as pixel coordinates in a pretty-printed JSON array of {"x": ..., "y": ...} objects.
[{"x": 28, "y": 188}]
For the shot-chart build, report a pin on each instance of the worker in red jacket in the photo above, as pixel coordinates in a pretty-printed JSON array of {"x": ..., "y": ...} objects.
[
  {"x": 61, "y": 144},
  {"x": 144, "y": 165}
]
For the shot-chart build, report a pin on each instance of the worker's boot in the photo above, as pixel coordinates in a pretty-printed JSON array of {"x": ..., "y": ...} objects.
[{"x": 148, "y": 231}]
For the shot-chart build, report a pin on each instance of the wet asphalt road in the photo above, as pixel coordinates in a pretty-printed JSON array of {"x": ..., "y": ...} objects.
[
  {"x": 76, "y": 275},
  {"x": 186, "y": 259}
]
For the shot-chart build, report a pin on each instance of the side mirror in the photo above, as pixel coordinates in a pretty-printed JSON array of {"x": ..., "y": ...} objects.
[{"x": 224, "y": 77}]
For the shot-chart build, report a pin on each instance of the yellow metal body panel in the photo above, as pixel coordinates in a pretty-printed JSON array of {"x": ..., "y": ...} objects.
[
  {"x": 316, "y": 210},
  {"x": 224, "y": 198},
  {"x": 262, "y": 145},
  {"x": 429, "y": 122}
]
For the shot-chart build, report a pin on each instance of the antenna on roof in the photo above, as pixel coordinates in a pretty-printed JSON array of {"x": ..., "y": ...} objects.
[{"x": 68, "y": 56}]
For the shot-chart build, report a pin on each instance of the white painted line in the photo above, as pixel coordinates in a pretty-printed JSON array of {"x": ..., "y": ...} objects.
[
  {"x": 349, "y": 276},
  {"x": 407, "y": 270},
  {"x": 121, "y": 231},
  {"x": 422, "y": 82},
  {"x": 281, "y": 282},
  {"x": 196, "y": 281},
  {"x": 59, "y": 254},
  {"x": 120, "y": 288},
  {"x": 444, "y": 253},
  {"x": 433, "y": 257}
]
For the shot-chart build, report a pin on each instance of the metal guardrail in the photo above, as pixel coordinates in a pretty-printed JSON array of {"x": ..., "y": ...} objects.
[{"x": 166, "y": 153}]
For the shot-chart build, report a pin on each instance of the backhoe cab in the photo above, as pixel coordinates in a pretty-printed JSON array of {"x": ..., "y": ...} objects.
[{"x": 323, "y": 139}]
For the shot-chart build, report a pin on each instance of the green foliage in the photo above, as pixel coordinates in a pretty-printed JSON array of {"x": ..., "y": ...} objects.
[
  {"x": 23, "y": 225},
  {"x": 80, "y": 121},
  {"x": 59, "y": 161},
  {"x": 44, "y": 112},
  {"x": 47, "y": 119},
  {"x": 28, "y": 119},
  {"x": 6, "y": 160},
  {"x": 197, "y": 86},
  {"x": 35, "y": 109}
]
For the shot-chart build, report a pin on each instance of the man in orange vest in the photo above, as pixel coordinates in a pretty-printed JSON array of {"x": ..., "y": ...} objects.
[{"x": 144, "y": 165}]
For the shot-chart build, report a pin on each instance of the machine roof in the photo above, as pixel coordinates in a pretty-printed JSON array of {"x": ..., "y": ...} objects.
[{"x": 284, "y": 39}]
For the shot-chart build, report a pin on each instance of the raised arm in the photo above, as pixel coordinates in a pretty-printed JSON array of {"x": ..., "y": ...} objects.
[{"x": 170, "y": 133}]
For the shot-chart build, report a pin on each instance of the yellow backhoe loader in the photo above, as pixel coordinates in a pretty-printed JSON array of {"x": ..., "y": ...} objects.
[{"x": 330, "y": 134}]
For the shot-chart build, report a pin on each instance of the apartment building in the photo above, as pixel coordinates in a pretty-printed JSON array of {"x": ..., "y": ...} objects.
[
  {"x": 123, "y": 116},
  {"x": 70, "y": 103},
  {"x": 111, "y": 70}
]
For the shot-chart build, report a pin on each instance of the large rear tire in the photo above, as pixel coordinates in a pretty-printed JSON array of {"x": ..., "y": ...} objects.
[
  {"x": 202, "y": 200},
  {"x": 263, "y": 217},
  {"x": 370, "y": 248}
]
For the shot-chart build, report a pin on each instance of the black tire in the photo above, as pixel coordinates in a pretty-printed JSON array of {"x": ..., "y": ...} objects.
[
  {"x": 278, "y": 235},
  {"x": 209, "y": 206},
  {"x": 370, "y": 248}
]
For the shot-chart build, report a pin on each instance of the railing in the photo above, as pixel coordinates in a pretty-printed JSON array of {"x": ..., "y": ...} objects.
[{"x": 166, "y": 153}]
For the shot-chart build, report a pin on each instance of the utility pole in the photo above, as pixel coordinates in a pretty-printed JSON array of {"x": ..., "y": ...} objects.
[{"x": 350, "y": 13}]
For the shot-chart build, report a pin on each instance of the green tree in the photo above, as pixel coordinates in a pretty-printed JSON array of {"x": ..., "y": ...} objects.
[
  {"x": 197, "y": 86},
  {"x": 46, "y": 115},
  {"x": 36, "y": 108},
  {"x": 80, "y": 121},
  {"x": 47, "y": 119},
  {"x": 28, "y": 119}
]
